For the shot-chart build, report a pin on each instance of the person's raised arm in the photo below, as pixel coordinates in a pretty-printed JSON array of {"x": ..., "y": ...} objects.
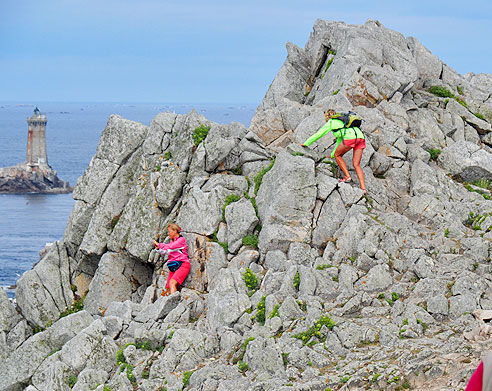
[{"x": 320, "y": 133}]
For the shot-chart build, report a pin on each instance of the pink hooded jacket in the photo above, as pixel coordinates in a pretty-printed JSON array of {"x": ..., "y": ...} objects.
[{"x": 177, "y": 250}]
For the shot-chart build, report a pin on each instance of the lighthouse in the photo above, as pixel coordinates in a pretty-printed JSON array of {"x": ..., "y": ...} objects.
[
  {"x": 36, "y": 141},
  {"x": 34, "y": 175}
]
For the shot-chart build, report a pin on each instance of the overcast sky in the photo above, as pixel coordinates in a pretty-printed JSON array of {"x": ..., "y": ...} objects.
[{"x": 195, "y": 51}]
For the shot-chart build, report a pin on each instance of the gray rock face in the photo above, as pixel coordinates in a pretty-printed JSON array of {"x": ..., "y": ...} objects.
[
  {"x": 208, "y": 201},
  {"x": 241, "y": 220},
  {"x": 120, "y": 139},
  {"x": 285, "y": 201},
  {"x": 42, "y": 294},
  {"x": 467, "y": 161},
  {"x": 23, "y": 362},
  {"x": 330, "y": 217},
  {"x": 117, "y": 277},
  {"x": 186, "y": 349},
  {"x": 227, "y": 301},
  {"x": 159, "y": 309},
  {"x": 170, "y": 185},
  {"x": 8, "y": 315}
]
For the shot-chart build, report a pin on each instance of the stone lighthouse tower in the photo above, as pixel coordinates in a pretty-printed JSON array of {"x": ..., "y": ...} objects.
[
  {"x": 36, "y": 140},
  {"x": 34, "y": 175}
]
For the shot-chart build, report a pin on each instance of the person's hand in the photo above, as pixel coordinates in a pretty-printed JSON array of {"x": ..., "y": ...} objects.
[{"x": 156, "y": 244}]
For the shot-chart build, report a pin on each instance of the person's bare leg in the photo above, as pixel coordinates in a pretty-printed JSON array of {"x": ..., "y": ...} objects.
[
  {"x": 360, "y": 174},
  {"x": 173, "y": 286},
  {"x": 340, "y": 151}
]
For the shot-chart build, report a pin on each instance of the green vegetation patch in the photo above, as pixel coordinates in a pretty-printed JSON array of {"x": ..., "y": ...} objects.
[
  {"x": 250, "y": 279},
  {"x": 200, "y": 133},
  {"x": 445, "y": 93},
  {"x": 237, "y": 171},
  {"x": 484, "y": 184},
  {"x": 297, "y": 280},
  {"x": 434, "y": 153},
  {"x": 441, "y": 92},
  {"x": 78, "y": 305},
  {"x": 259, "y": 178},
  {"x": 242, "y": 366},
  {"x": 328, "y": 63},
  {"x": 323, "y": 266},
  {"x": 461, "y": 101},
  {"x": 274, "y": 312},
  {"x": 260, "y": 313},
  {"x": 250, "y": 240},
  {"x": 129, "y": 372},
  {"x": 186, "y": 378},
  {"x": 480, "y": 116},
  {"x": 314, "y": 330},
  {"x": 224, "y": 245},
  {"x": 72, "y": 379}
]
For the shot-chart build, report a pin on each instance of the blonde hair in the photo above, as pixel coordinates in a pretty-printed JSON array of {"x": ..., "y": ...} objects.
[
  {"x": 329, "y": 113},
  {"x": 174, "y": 227}
]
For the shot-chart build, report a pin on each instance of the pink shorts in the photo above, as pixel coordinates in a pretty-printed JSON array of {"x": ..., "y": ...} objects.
[
  {"x": 179, "y": 275},
  {"x": 356, "y": 143}
]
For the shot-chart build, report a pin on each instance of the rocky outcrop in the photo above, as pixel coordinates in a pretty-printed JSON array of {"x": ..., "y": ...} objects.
[
  {"x": 22, "y": 178},
  {"x": 297, "y": 281}
]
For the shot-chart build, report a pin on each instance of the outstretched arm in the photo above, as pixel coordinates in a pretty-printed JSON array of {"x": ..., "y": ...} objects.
[{"x": 320, "y": 133}]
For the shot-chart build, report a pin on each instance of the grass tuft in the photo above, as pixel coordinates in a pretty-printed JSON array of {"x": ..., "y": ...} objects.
[{"x": 200, "y": 133}]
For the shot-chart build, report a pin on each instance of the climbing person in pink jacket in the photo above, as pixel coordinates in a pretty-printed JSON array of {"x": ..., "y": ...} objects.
[{"x": 177, "y": 261}]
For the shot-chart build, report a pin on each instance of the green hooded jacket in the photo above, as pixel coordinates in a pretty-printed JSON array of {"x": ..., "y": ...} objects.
[{"x": 337, "y": 127}]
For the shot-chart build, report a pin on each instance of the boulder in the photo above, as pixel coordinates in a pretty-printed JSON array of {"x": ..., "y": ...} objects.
[
  {"x": 227, "y": 301},
  {"x": 185, "y": 351},
  {"x": 120, "y": 139},
  {"x": 467, "y": 161},
  {"x": 201, "y": 211},
  {"x": 241, "y": 220},
  {"x": 44, "y": 292},
  {"x": 117, "y": 278},
  {"x": 285, "y": 202}
]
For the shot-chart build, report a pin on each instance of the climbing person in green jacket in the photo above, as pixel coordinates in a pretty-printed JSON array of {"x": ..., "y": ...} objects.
[{"x": 347, "y": 139}]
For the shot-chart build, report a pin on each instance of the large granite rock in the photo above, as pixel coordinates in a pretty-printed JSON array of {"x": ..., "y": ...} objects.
[{"x": 285, "y": 201}]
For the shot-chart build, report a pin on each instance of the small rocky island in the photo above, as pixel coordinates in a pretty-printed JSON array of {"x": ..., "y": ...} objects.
[{"x": 34, "y": 175}]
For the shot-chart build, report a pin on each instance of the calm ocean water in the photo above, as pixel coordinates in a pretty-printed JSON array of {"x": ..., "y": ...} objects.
[{"x": 29, "y": 221}]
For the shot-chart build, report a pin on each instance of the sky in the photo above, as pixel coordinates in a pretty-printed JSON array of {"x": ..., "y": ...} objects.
[{"x": 191, "y": 51}]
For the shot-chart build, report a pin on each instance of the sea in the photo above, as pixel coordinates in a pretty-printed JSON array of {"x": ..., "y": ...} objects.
[{"x": 28, "y": 222}]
